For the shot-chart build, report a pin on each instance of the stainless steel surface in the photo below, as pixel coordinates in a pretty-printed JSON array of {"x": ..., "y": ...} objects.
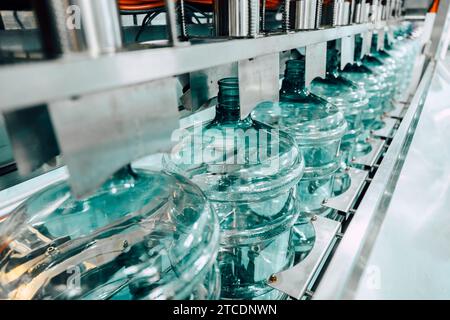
[
  {"x": 374, "y": 11},
  {"x": 32, "y": 138},
  {"x": 387, "y": 131},
  {"x": 363, "y": 12},
  {"x": 370, "y": 159},
  {"x": 343, "y": 274},
  {"x": 204, "y": 85},
  {"x": 182, "y": 19},
  {"x": 319, "y": 13},
  {"x": 417, "y": 5},
  {"x": 237, "y": 18},
  {"x": 255, "y": 10},
  {"x": 258, "y": 81},
  {"x": 171, "y": 23},
  {"x": 57, "y": 35},
  {"x": 315, "y": 62},
  {"x": 294, "y": 281},
  {"x": 388, "y": 9},
  {"x": 358, "y": 13},
  {"x": 382, "y": 13},
  {"x": 380, "y": 39},
  {"x": 366, "y": 12},
  {"x": 338, "y": 12},
  {"x": 308, "y": 14},
  {"x": 411, "y": 253},
  {"x": 126, "y": 68},
  {"x": 312, "y": 19},
  {"x": 300, "y": 18},
  {"x": 367, "y": 43},
  {"x": 6, "y": 156},
  {"x": 121, "y": 126},
  {"x": 299, "y": 8},
  {"x": 101, "y": 25},
  {"x": 347, "y": 51},
  {"x": 286, "y": 16},
  {"x": 398, "y": 112},
  {"x": 346, "y": 14},
  {"x": 347, "y": 200}
]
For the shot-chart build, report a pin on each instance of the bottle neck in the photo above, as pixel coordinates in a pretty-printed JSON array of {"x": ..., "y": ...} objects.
[
  {"x": 228, "y": 108},
  {"x": 294, "y": 79},
  {"x": 333, "y": 62},
  {"x": 358, "y": 50}
]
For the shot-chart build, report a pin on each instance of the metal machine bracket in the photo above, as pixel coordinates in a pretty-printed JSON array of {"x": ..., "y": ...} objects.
[
  {"x": 347, "y": 51},
  {"x": 346, "y": 201},
  {"x": 380, "y": 39},
  {"x": 387, "y": 131},
  {"x": 316, "y": 62},
  {"x": 32, "y": 138},
  {"x": 295, "y": 281},
  {"x": 370, "y": 159},
  {"x": 100, "y": 133},
  {"x": 258, "y": 81},
  {"x": 204, "y": 83},
  {"x": 367, "y": 43}
]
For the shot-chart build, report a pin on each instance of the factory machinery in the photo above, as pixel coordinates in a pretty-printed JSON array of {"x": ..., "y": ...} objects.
[{"x": 88, "y": 87}]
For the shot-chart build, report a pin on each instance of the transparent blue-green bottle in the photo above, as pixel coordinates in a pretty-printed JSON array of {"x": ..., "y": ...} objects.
[
  {"x": 385, "y": 70},
  {"x": 395, "y": 68},
  {"x": 403, "y": 52},
  {"x": 376, "y": 88},
  {"x": 351, "y": 100},
  {"x": 249, "y": 171},
  {"x": 142, "y": 235},
  {"x": 318, "y": 128}
]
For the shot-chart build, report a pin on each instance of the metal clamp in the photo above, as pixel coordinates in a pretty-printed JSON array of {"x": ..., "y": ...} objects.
[
  {"x": 296, "y": 280},
  {"x": 388, "y": 129},
  {"x": 345, "y": 201},
  {"x": 370, "y": 159}
]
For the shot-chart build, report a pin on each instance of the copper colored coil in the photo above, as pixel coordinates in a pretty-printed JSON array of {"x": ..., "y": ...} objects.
[
  {"x": 140, "y": 4},
  {"x": 273, "y": 4},
  {"x": 270, "y": 4},
  {"x": 207, "y": 2},
  {"x": 150, "y": 4}
]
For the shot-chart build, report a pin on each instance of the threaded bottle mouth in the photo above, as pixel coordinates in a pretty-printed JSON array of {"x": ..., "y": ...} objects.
[
  {"x": 228, "y": 108},
  {"x": 358, "y": 49},
  {"x": 295, "y": 68},
  {"x": 332, "y": 60},
  {"x": 228, "y": 96},
  {"x": 294, "y": 78}
]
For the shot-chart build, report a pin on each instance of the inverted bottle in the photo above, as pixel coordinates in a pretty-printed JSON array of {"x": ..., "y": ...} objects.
[
  {"x": 376, "y": 89},
  {"x": 351, "y": 100},
  {"x": 347, "y": 96},
  {"x": 318, "y": 128},
  {"x": 249, "y": 171},
  {"x": 142, "y": 235}
]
